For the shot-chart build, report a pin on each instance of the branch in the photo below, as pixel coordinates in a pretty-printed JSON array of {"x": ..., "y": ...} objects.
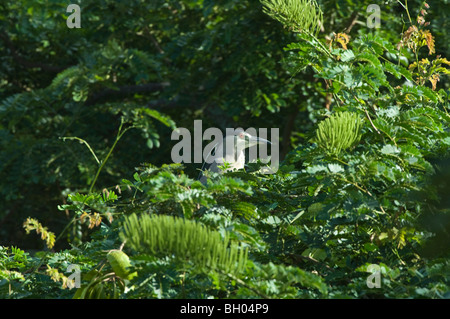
[
  {"x": 126, "y": 90},
  {"x": 153, "y": 40},
  {"x": 298, "y": 257},
  {"x": 352, "y": 21}
]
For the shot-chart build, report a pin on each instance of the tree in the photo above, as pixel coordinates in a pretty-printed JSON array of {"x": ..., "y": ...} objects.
[{"x": 134, "y": 71}]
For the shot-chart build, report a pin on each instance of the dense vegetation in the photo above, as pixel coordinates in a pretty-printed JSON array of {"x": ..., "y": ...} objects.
[{"x": 86, "y": 177}]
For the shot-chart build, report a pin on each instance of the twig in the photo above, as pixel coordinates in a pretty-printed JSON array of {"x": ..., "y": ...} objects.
[
  {"x": 81, "y": 141},
  {"x": 119, "y": 135},
  {"x": 153, "y": 39},
  {"x": 242, "y": 283},
  {"x": 308, "y": 258},
  {"x": 352, "y": 21},
  {"x": 357, "y": 186},
  {"x": 370, "y": 120}
]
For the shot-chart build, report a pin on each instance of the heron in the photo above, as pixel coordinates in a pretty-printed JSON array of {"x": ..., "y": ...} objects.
[{"x": 230, "y": 150}]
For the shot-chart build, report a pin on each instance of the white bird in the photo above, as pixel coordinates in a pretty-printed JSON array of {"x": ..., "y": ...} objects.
[{"x": 230, "y": 150}]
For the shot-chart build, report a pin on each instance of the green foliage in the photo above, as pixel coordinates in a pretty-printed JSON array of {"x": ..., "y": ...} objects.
[
  {"x": 32, "y": 224},
  {"x": 186, "y": 240},
  {"x": 16, "y": 259},
  {"x": 366, "y": 186},
  {"x": 296, "y": 15}
]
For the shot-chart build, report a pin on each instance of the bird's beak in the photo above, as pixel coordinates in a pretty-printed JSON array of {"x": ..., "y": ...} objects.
[{"x": 258, "y": 140}]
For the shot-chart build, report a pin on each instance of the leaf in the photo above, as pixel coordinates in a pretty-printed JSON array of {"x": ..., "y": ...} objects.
[
  {"x": 335, "y": 168},
  {"x": 429, "y": 39},
  {"x": 403, "y": 71},
  {"x": 392, "y": 69},
  {"x": 446, "y": 140},
  {"x": 33, "y": 224},
  {"x": 247, "y": 210},
  {"x": 390, "y": 149},
  {"x": 390, "y": 112},
  {"x": 369, "y": 57},
  {"x": 342, "y": 39},
  {"x": 420, "y": 91},
  {"x": 272, "y": 220},
  {"x": 370, "y": 247},
  {"x": 315, "y": 169},
  {"x": 347, "y": 55},
  {"x": 164, "y": 119}
]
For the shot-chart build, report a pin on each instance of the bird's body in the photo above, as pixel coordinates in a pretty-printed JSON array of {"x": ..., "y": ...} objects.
[{"x": 230, "y": 152}]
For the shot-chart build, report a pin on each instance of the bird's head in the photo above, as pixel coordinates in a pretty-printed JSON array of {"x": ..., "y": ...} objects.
[{"x": 244, "y": 140}]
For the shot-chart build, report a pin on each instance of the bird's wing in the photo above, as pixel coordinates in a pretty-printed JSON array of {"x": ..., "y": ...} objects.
[
  {"x": 213, "y": 167},
  {"x": 208, "y": 166}
]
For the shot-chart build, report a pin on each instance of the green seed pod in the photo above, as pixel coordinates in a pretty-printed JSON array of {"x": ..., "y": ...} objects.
[{"x": 120, "y": 263}]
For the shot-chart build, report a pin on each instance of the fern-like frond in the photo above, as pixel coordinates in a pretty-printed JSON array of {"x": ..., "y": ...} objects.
[
  {"x": 339, "y": 132},
  {"x": 185, "y": 240},
  {"x": 298, "y": 15},
  {"x": 64, "y": 77}
]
